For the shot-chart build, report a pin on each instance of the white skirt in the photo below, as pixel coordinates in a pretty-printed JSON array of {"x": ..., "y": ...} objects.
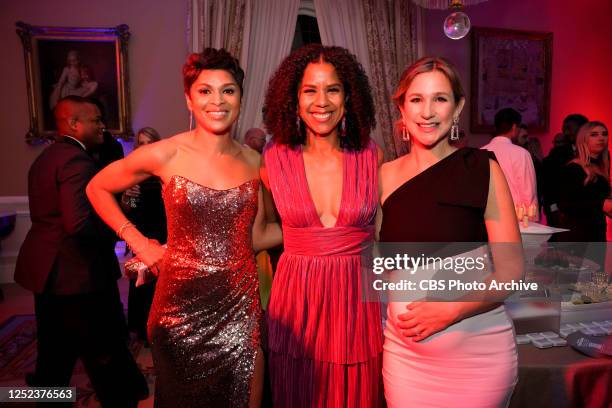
[{"x": 472, "y": 363}]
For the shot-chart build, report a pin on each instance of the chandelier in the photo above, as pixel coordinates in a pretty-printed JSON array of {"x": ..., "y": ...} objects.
[
  {"x": 457, "y": 24},
  {"x": 445, "y": 4}
]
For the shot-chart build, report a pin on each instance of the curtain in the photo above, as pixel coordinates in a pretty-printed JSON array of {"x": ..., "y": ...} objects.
[
  {"x": 392, "y": 36},
  {"x": 218, "y": 24},
  {"x": 271, "y": 34},
  {"x": 383, "y": 35},
  {"x": 341, "y": 23},
  {"x": 258, "y": 32}
]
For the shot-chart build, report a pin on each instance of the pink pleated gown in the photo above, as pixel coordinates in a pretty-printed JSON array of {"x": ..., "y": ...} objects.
[{"x": 325, "y": 341}]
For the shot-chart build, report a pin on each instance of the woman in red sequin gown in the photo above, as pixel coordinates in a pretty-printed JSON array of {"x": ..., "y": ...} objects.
[
  {"x": 325, "y": 342},
  {"x": 205, "y": 322}
]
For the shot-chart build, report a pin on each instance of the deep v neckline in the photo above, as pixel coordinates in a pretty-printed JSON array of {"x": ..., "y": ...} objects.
[{"x": 313, "y": 207}]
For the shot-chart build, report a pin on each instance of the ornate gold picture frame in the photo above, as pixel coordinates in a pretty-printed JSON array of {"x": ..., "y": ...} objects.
[
  {"x": 89, "y": 62},
  {"x": 510, "y": 69}
]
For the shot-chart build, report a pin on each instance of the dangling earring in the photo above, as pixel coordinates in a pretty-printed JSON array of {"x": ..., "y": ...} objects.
[
  {"x": 190, "y": 120},
  {"x": 454, "y": 133},
  {"x": 405, "y": 134},
  {"x": 343, "y": 127},
  {"x": 298, "y": 124}
]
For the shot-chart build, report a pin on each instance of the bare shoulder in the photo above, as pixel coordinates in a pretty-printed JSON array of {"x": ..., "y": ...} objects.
[
  {"x": 165, "y": 149},
  {"x": 154, "y": 156},
  {"x": 390, "y": 167}
]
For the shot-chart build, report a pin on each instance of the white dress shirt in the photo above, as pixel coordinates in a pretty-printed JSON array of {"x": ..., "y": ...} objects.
[
  {"x": 76, "y": 140},
  {"x": 517, "y": 166}
]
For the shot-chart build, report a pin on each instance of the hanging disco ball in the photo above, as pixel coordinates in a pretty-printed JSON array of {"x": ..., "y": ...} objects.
[{"x": 457, "y": 25}]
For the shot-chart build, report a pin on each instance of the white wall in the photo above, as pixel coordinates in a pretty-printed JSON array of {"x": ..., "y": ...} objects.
[{"x": 157, "y": 50}]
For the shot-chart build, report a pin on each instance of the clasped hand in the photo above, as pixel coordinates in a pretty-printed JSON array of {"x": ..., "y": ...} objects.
[{"x": 423, "y": 319}]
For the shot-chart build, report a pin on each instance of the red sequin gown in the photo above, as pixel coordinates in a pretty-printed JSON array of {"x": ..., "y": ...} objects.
[
  {"x": 325, "y": 342},
  {"x": 204, "y": 324}
]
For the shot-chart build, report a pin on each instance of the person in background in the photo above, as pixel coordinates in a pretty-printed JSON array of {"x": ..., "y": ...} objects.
[
  {"x": 534, "y": 147},
  {"x": 110, "y": 150},
  {"x": 584, "y": 192},
  {"x": 516, "y": 163},
  {"x": 68, "y": 261},
  {"x": 144, "y": 207},
  {"x": 255, "y": 138},
  {"x": 522, "y": 136},
  {"x": 558, "y": 157},
  {"x": 559, "y": 140},
  {"x": 131, "y": 196}
]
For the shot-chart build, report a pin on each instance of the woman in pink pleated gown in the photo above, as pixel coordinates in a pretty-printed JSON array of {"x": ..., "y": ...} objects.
[{"x": 325, "y": 341}]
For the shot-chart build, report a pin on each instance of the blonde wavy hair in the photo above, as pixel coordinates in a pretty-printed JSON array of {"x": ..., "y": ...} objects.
[{"x": 584, "y": 155}]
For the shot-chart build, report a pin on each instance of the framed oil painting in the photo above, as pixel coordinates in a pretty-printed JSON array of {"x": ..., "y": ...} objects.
[
  {"x": 510, "y": 69},
  {"x": 88, "y": 62}
]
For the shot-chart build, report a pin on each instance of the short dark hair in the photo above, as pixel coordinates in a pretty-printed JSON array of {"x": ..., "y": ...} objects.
[
  {"x": 75, "y": 99},
  {"x": 505, "y": 119},
  {"x": 576, "y": 118},
  {"x": 68, "y": 107},
  {"x": 281, "y": 103},
  {"x": 211, "y": 58}
]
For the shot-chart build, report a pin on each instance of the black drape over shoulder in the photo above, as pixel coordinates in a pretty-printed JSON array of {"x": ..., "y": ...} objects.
[{"x": 444, "y": 203}]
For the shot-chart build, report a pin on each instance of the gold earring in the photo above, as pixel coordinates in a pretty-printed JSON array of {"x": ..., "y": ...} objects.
[{"x": 190, "y": 120}]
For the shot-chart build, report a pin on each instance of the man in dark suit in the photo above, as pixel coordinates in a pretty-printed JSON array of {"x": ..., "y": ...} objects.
[
  {"x": 552, "y": 164},
  {"x": 68, "y": 261}
]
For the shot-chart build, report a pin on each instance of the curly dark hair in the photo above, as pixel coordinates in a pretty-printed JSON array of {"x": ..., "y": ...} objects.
[
  {"x": 211, "y": 58},
  {"x": 281, "y": 103}
]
